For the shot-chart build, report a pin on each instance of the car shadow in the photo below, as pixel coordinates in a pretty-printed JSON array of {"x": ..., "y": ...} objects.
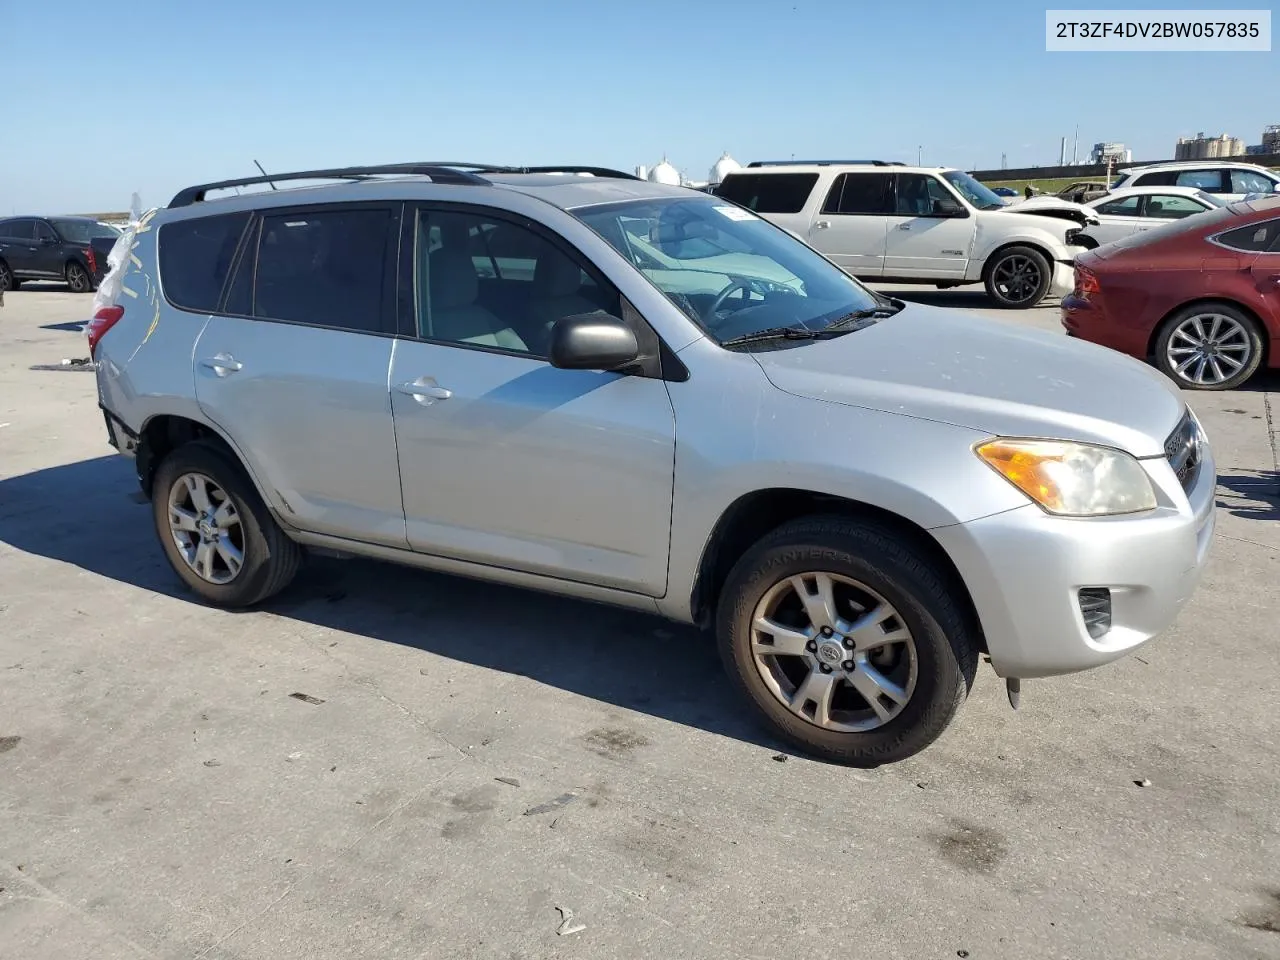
[
  {"x": 71, "y": 326},
  {"x": 1255, "y": 496},
  {"x": 89, "y": 514}
]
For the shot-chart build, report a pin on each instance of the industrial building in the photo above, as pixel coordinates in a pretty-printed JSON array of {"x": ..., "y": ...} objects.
[{"x": 1201, "y": 147}]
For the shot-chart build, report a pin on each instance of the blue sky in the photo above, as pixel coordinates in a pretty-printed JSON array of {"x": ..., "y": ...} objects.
[{"x": 152, "y": 95}]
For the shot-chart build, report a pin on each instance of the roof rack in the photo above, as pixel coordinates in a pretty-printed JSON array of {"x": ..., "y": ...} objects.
[
  {"x": 826, "y": 163},
  {"x": 440, "y": 171}
]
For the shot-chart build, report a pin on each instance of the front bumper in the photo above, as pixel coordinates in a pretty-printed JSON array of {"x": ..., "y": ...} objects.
[
  {"x": 1025, "y": 568},
  {"x": 1064, "y": 278}
]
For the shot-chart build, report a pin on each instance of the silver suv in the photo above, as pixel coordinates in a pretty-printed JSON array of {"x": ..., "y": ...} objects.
[{"x": 642, "y": 395}]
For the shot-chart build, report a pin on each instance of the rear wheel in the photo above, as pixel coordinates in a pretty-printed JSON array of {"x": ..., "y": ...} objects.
[
  {"x": 1209, "y": 346},
  {"x": 7, "y": 280},
  {"x": 1018, "y": 277},
  {"x": 849, "y": 642},
  {"x": 78, "y": 278},
  {"x": 215, "y": 530}
]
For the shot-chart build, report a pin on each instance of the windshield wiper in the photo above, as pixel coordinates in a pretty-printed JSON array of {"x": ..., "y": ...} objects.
[
  {"x": 775, "y": 333},
  {"x": 858, "y": 316}
]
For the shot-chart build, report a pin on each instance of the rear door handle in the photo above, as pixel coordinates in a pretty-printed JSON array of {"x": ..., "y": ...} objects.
[
  {"x": 425, "y": 390},
  {"x": 904, "y": 226},
  {"x": 822, "y": 224},
  {"x": 222, "y": 364}
]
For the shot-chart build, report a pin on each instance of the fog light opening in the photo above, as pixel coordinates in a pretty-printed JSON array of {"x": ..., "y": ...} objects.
[{"x": 1095, "y": 608}]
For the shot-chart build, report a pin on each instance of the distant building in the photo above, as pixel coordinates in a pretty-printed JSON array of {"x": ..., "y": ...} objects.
[
  {"x": 1271, "y": 139},
  {"x": 1256, "y": 150},
  {"x": 1111, "y": 153},
  {"x": 1201, "y": 147}
]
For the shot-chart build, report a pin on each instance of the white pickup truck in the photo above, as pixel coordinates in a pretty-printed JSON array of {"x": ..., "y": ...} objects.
[{"x": 894, "y": 223}]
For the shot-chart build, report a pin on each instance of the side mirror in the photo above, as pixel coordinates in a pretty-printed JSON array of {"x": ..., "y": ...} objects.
[
  {"x": 592, "y": 341},
  {"x": 947, "y": 207}
]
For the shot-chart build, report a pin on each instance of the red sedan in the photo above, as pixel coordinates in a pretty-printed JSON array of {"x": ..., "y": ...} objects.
[{"x": 1200, "y": 295}]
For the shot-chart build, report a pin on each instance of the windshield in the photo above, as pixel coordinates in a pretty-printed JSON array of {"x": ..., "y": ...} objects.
[
  {"x": 82, "y": 231},
  {"x": 976, "y": 193},
  {"x": 728, "y": 270}
]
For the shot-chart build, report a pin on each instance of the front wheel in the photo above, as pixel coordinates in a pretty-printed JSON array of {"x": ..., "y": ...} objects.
[
  {"x": 1017, "y": 278},
  {"x": 1209, "y": 346},
  {"x": 215, "y": 530},
  {"x": 848, "y": 640},
  {"x": 78, "y": 278},
  {"x": 7, "y": 280}
]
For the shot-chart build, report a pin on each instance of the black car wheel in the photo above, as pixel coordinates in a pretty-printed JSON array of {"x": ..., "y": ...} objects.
[
  {"x": 78, "y": 278},
  {"x": 7, "y": 280},
  {"x": 1018, "y": 278}
]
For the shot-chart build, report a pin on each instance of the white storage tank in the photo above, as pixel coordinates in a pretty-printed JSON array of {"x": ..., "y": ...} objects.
[{"x": 723, "y": 167}]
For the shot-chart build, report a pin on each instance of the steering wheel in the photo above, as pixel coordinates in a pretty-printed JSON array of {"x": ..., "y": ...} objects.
[{"x": 710, "y": 313}]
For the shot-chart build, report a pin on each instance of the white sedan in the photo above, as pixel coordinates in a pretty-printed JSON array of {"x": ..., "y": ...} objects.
[{"x": 1131, "y": 210}]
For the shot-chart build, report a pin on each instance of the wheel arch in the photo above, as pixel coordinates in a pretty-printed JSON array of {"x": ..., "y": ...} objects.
[
  {"x": 1244, "y": 308},
  {"x": 163, "y": 433},
  {"x": 754, "y": 515}
]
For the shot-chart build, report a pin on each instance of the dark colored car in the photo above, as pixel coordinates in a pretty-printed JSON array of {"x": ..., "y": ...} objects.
[
  {"x": 54, "y": 248},
  {"x": 1083, "y": 192},
  {"x": 1201, "y": 295}
]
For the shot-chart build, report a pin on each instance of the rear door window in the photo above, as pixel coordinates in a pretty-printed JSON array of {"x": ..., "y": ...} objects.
[
  {"x": 328, "y": 267},
  {"x": 1160, "y": 178},
  {"x": 768, "y": 192},
  {"x": 195, "y": 256},
  {"x": 861, "y": 193},
  {"x": 1210, "y": 180}
]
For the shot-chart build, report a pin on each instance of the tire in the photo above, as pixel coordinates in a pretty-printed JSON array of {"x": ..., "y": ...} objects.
[
  {"x": 942, "y": 637},
  {"x": 7, "y": 280},
  {"x": 1009, "y": 280},
  {"x": 269, "y": 559},
  {"x": 78, "y": 278},
  {"x": 1230, "y": 336}
]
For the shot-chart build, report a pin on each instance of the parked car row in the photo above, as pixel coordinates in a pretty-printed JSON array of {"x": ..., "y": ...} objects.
[
  {"x": 651, "y": 397},
  {"x": 901, "y": 224},
  {"x": 1200, "y": 295},
  {"x": 72, "y": 249}
]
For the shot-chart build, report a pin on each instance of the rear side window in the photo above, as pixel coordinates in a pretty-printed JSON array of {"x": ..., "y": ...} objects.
[
  {"x": 324, "y": 267},
  {"x": 865, "y": 193},
  {"x": 768, "y": 192},
  {"x": 1210, "y": 180},
  {"x": 1255, "y": 238},
  {"x": 1247, "y": 181},
  {"x": 1121, "y": 206},
  {"x": 195, "y": 256}
]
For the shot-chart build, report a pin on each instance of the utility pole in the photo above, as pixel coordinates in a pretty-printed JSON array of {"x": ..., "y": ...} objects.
[{"x": 919, "y": 155}]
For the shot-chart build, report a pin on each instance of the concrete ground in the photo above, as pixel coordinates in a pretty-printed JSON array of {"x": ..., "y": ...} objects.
[{"x": 389, "y": 764}]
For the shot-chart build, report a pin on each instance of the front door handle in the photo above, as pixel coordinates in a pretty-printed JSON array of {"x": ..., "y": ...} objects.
[
  {"x": 425, "y": 390},
  {"x": 904, "y": 226},
  {"x": 222, "y": 364},
  {"x": 822, "y": 224}
]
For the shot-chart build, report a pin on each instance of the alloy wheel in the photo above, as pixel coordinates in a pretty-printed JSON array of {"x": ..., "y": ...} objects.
[
  {"x": 206, "y": 528},
  {"x": 77, "y": 278},
  {"x": 6, "y": 278},
  {"x": 1208, "y": 348},
  {"x": 1017, "y": 278},
  {"x": 834, "y": 652}
]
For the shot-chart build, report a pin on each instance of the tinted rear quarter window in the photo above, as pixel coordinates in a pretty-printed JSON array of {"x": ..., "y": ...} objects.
[
  {"x": 195, "y": 256},
  {"x": 1255, "y": 238},
  {"x": 17, "y": 229},
  {"x": 324, "y": 267},
  {"x": 768, "y": 192}
]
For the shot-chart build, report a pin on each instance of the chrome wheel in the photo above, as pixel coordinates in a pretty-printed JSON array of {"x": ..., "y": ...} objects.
[
  {"x": 834, "y": 652},
  {"x": 1017, "y": 278},
  {"x": 1208, "y": 348},
  {"x": 206, "y": 528}
]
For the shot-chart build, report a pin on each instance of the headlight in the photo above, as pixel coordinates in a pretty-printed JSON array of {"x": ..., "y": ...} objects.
[{"x": 1072, "y": 479}]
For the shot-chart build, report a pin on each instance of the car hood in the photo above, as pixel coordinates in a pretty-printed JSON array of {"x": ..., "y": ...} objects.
[
  {"x": 1052, "y": 207},
  {"x": 987, "y": 375}
]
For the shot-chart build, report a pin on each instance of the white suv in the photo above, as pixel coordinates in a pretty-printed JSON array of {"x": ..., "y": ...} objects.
[
  {"x": 1226, "y": 181},
  {"x": 890, "y": 222}
]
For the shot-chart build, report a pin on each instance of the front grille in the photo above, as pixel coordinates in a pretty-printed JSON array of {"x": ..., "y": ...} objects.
[
  {"x": 1095, "y": 607},
  {"x": 1182, "y": 450}
]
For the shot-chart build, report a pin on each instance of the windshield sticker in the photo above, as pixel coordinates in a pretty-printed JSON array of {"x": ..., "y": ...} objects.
[{"x": 735, "y": 213}]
